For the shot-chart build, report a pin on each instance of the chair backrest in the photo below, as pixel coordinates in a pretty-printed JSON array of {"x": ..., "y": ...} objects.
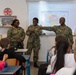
[{"x": 12, "y": 62}]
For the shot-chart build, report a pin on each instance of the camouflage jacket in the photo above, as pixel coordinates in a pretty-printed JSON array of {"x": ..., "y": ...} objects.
[
  {"x": 62, "y": 31},
  {"x": 14, "y": 34},
  {"x": 36, "y": 31}
]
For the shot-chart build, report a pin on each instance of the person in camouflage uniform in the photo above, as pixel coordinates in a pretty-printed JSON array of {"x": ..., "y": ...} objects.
[
  {"x": 62, "y": 30},
  {"x": 16, "y": 34},
  {"x": 33, "y": 43}
]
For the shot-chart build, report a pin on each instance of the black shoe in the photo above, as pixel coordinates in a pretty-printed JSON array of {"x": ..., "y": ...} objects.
[{"x": 36, "y": 65}]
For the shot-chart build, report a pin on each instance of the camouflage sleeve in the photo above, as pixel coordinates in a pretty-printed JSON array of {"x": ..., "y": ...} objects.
[
  {"x": 38, "y": 32},
  {"x": 70, "y": 36},
  {"x": 50, "y": 28},
  {"x": 9, "y": 35},
  {"x": 22, "y": 35},
  {"x": 28, "y": 32}
]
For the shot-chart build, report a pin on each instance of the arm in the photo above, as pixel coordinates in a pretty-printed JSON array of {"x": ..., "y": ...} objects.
[
  {"x": 75, "y": 55},
  {"x": 38, "y": 31},
  {"x": 22, "y": 35},
  {"x": 5, "y": 57},
  {"x": 70, "y": 36},
  {"x": 9, "y": 35},
  {"x": 50, "y": 28},
  {"x": 53, "y": 60},
  {"x": 1, "y": 55},
  {"x": 28, "y": 32}
]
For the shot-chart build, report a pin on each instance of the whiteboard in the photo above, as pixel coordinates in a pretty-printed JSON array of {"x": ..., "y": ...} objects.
[{"x": 49, "y": 13}]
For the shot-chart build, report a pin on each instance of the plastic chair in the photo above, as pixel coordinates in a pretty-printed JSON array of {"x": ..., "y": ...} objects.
[
  {"x": 27, "y": 57},
  {"x": 12, "y": 62}
]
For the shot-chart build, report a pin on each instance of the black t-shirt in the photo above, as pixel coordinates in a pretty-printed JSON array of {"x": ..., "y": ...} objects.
[{"x": 12, "y": 54}]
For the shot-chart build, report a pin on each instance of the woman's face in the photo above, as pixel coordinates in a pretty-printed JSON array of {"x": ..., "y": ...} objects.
[
  {"x": 16, "y": 24},
  {"x": 35, "y": 22}
]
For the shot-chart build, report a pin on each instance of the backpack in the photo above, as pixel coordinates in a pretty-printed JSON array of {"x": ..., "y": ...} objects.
[{"x": 42, "y": 69}]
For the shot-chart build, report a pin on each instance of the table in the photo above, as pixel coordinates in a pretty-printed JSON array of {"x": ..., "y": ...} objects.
[
  {"x": 10, "y": 70},
  {"x": 22, "y": 50}
]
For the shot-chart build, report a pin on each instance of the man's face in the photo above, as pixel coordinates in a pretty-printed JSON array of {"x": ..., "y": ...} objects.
[
  {"x": 35, "y": 22},
  {"x": 62, "y": 21}
]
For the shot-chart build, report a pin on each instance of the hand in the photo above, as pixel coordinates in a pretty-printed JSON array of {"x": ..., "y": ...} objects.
[
  {"x": 5, "y": 57},
  {"x": 32, "y": 31},
  {"x": 69, "y": 49},
  {"x": 40, "y": 26},
  {"x": 24, "y": 64},
  {"x": 18, "y": 40}
]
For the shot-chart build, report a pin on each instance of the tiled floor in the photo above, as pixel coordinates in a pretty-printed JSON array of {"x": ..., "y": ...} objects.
[{"x": 34, "y": 71}]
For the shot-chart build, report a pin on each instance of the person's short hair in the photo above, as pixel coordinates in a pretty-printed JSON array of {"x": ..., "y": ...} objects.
[
  {"x": 35, "y": 18},
  {"x": 4, "y": 42}
]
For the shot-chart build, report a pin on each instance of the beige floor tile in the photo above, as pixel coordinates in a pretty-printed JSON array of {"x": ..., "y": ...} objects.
[{"x": 34, "y": 71}]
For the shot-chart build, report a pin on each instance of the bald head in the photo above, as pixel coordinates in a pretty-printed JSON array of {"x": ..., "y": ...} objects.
[{"x": 62, "y": 21}]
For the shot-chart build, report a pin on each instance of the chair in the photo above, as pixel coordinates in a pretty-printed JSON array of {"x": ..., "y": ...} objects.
[
  {"x": 12, "y": 62},
  {"x": 50, "y": 53},
  {"x": 27, "y": 57}
]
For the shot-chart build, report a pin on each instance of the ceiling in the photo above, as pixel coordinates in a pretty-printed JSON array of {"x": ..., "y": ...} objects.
[{"x": 51, "y": 0}]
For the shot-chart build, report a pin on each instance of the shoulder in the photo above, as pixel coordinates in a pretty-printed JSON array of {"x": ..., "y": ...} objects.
[
  {"x": 65, "y": 71},
  {"x": 69, "y": 55},
  {"x": 11, "y": 28},
  {"x": 21, "y": 28},
  {"x": 30, "y": 26},
  {"x": 68, "y": 28}
]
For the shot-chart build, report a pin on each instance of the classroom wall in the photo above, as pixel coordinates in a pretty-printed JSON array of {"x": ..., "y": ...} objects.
[{"x": 19, "y": 9}]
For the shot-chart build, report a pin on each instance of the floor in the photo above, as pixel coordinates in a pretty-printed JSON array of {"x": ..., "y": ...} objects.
[{"x": 34, "y": 71}]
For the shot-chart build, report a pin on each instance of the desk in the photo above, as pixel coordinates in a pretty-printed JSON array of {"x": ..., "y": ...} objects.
[
  {"x": 10, "y": 70},
  {"x": 27, "y": 57},
  {"x": 22, "y": 50}
]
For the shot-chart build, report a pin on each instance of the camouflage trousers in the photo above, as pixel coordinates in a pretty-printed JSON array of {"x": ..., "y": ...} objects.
[{"x": 35, "y": 46}]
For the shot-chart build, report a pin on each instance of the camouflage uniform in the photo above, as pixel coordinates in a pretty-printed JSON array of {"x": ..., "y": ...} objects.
[
  {"x": 65, "y": 31},
  {"x": 14, "y": 34},
  {"x": 33, "y": 41}
]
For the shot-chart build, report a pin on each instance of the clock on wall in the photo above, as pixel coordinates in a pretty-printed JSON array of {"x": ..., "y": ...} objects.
[{"x": 7, "y": 12}]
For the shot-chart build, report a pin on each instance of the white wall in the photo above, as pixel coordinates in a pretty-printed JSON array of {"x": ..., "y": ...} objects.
[
  {"x": 19, "y": 9},
  {"x": 59, "y": 9}
]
